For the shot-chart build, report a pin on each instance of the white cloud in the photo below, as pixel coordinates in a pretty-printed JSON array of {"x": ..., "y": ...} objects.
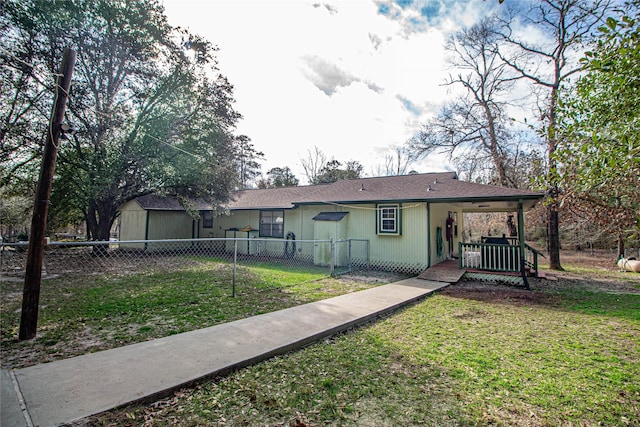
[
  {"x": 338, "y": 75},
  {"x": 326, "y": 76}
]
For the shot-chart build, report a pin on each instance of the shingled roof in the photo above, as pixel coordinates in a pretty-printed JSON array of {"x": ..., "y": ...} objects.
[
  {"x": 152, "y": 202},
  {"x": 429, "y": 187}
]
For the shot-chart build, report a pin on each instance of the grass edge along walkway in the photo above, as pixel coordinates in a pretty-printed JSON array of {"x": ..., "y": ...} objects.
[
  {"x": 71, "y": 389},
  {"x": 473, "y": 354}
]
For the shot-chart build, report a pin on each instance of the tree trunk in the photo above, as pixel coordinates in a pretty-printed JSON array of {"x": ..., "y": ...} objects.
[
  {"x": 92, "y": 221},
  {"x": 620, "y": 245},
  {"x": 498, "y": 161},
  {"x": 99, "y": 221},
  {"x": 554, "y": 237},
  {"x": 620, "y": 229},
  {"x": 554, "y": 220}
]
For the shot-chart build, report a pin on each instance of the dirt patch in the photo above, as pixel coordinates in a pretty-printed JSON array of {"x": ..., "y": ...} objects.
[
  {"x": 621, "y": 283},
  {"x": 372, "y": 277},
  {"x": 587, "y": 271},
  {"x": 599, "y": 258},
  {"x": 497, "y": 293}
]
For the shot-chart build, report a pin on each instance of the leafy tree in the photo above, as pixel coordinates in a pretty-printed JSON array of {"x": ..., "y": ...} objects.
[
  {"x": 320, "y": 171},
  {"x": 24, "y": 106},
  {"x": 152, "y": 112},
  {"x": 333, "y": 172},
  {"x": 282, "y": 177},
  {"x": 600, "y": 151},
  {"x": 549, "y": 63},
  {"x": 476, "y": 121},
  {"x": 14, "y": 215},
  {"x": 247, "y": 161}
]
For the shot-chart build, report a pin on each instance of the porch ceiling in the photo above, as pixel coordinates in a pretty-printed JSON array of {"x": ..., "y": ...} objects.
[{"x": 495, "y": 205}]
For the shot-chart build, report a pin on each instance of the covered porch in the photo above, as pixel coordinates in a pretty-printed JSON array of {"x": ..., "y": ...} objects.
[
  {"x": 499, "y": 254},
  {"x": 507, "y": 257},
  {"x": 450, "y": 271}
]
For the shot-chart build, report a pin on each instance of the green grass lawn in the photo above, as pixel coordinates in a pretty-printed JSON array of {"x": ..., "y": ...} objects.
[
  {"x": 470, "y": 355},
  {"x": 81, "y": 314},
  {"x": 565, "y": 353}
]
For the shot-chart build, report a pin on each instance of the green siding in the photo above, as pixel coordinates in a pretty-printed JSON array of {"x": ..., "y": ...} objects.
[
  {"x": 439, "y": 213},
  {"x": 133, "y": 221},
  {"x": 169, "y": 225},
  {"x": 237, "y": 219},
  {"x": 406, "y": 251}
]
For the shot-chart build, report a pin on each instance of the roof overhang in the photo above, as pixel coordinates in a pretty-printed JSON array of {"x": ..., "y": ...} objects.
[
  {"x": 264, "y": 208},
  {"x": 475, "y": 204},
  {"x": 496, "y": 204}
]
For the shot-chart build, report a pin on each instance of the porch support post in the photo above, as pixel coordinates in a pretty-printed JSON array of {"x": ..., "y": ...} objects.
[
  {"x": 428, "y": 235},
  {"x": 521, "y": 225},
  {"x": 523, "y": 270}
]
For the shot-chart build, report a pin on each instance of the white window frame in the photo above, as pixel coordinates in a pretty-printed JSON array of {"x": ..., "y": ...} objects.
[
  {"x": 388, "y": 219},
  {"x": 272, "y": 223}
]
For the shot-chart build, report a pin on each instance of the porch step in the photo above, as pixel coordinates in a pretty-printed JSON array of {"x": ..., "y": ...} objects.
[{"x": 444, "y": 275}]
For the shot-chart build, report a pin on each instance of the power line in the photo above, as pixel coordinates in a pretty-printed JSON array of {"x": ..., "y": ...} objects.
[
  {"x": 197, "y": 156},
  {"x": 417, "y": 205}
]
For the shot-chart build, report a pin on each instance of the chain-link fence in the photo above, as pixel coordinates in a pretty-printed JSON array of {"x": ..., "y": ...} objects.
[{"x": 77, "y": 258}]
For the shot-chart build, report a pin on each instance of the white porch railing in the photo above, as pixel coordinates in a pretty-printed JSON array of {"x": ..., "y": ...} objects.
[{"x": 496, "y": 257}]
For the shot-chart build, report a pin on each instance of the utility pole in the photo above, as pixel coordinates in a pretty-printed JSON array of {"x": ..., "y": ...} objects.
[{"x": 33, "y": 272}]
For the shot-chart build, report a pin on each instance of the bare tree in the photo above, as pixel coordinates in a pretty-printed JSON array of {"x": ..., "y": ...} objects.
[
  {"x": 476, "y": 121},
  {"x": 396, "y": 163},
  {"x": 567, "y": 25},
  {"x": 313, "y": 164}
]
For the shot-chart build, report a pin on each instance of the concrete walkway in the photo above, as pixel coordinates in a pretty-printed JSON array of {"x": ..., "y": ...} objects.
[{"x": 59, "y": 392}]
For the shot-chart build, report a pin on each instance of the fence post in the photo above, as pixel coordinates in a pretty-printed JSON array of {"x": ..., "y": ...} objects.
[
  {"x": 332, "y": 253},
  {"x": 235, "y": 263},
  {"x": 349, "y": 262}
]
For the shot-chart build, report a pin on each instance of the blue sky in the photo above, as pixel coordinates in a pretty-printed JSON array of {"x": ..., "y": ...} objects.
[{"x": 354, "y": 78}]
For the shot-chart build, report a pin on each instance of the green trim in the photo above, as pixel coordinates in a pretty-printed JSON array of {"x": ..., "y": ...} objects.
[
  {"x": 207, "y": 219},
  {"x": 146, "y": 227},
  {"x": 146, "y": 230},
  {"x": 484, "y": 199},
  {"x": 514, "y": 198},
  {"x": 428, "y": 235},
  {"x": 397, "y": 207}
]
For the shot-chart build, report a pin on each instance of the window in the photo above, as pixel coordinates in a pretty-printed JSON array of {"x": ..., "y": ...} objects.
[
  {"x": 388, "y": 219},
  {"x": 272, "y": 223},
  {"x": 207, "y": 219}
]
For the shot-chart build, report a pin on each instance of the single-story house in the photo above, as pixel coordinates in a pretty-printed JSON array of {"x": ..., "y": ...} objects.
[
  {"x": 412, "y": 222},
  {"x": 154, "y": 217}
]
